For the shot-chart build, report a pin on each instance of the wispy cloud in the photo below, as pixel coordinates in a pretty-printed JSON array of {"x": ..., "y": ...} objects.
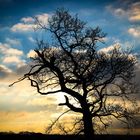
[
  {"x": 14, "y": 42},
  {"x": 134, "y": 31},
  {"x": 134, "y": 12},
  {"x": 4, "y": 71},
  {"x": 28, "y": 20},
  {"x": 42, "y": 101},
  {"x": 118, "y": 12},
  {"x": 30, "y": 38},
  {"x": 129, "y": 11}
]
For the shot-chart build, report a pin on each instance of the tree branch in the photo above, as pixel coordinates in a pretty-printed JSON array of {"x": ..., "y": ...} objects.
[
  {"x": 72, "y": 107},
  {"x": 55, "y": 121}
]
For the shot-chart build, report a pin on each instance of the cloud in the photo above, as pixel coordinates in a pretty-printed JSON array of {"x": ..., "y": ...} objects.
[
  {"x": 42, "y": 101},
  {"x": 109, "y": 48},
  {"x": 134, "y": 12},
  {"x": 131, "y": 11},
  {"x": 22, "y": 69},
  {"x": 14, "y": 59},
  {"x": 27, "y": 24},
  {"x": 43, "y": 18},
  {"x": 21, "y": 27},
  {"x": 6, "y": 49},
  {"x": 31, "y": 39},
  {"x": 31, "y": 54},
  {"x": 134, "y": 31},
  {"x": 4, "y": 71},
  {"x": 14, "y": 42},
  {"x": 27, "y": 20},
  {"x": 11, "y": 55},
  {"x": 119, "y": 12},
  {"x": 12, "y": 51}
]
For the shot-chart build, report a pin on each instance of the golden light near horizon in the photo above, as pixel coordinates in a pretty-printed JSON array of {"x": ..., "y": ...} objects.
[{"x": 27, "y": 110}]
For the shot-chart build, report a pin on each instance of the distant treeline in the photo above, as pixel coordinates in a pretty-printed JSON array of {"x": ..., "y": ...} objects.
[{"x": 39, "y": 136}]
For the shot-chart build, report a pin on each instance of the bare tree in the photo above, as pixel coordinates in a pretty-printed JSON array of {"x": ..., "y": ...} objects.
[{"x": 100, "y": 83}]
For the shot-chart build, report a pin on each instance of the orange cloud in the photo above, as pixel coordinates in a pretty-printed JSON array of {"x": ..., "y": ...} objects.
[
  {"x": 134, "y": 13},
  {"x": 31, "y": 53}
]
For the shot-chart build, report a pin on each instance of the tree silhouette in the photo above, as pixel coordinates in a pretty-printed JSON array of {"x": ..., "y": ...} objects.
[{"x": 100, "y": 83}]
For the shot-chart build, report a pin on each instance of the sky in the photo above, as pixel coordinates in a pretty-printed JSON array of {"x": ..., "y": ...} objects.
[{"x": 21, "y": 107}]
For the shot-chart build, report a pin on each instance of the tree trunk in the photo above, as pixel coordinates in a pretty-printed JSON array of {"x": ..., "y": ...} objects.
[{"x": 88, "y": 126}]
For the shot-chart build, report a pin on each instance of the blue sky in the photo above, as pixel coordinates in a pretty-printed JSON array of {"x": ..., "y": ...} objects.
[{"x": 120, "y": 19}]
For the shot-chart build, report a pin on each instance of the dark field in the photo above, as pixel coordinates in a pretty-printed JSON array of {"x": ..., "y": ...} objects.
[{"x": 39, "y": 136}]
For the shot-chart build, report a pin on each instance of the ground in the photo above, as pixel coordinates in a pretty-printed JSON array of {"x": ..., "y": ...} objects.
[{"x": 39, "y": 136}]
